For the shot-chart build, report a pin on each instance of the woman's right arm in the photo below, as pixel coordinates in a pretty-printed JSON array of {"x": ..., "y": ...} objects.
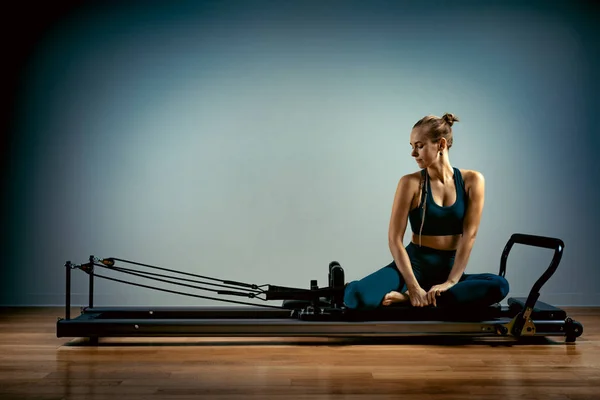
[{"x": 407, "y": 186}]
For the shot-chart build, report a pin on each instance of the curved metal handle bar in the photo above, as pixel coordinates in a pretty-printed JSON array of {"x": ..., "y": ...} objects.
[{"x": 536, "y": 241}]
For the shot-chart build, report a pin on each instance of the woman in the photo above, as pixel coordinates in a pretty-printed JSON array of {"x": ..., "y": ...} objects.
[{"x": 443, "y": 205}]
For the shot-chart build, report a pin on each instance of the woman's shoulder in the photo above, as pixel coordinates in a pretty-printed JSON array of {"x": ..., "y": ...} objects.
[
  {"x": 471, "y": 175},
  {"x": 409, "y": 183},
  {"x": 472, "y": 178},
  {"x": 412, "y": 178}
]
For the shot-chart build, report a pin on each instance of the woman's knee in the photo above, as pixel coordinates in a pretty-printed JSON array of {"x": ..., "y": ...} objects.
[
  {"x": 503, "y": 286},
  {"x": 499, "y": 287}
]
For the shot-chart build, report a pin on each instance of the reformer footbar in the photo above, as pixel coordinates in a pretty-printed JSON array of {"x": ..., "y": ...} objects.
[{"x": 308, "y": 312}]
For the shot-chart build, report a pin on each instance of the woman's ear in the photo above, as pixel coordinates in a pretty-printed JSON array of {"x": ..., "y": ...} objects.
[{"x": 443, "y": 144}]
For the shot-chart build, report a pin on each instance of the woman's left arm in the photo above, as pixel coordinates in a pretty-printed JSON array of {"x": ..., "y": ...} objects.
[
  {"x": 476, "y": 197},
  {"x": 470, "y": 226}
]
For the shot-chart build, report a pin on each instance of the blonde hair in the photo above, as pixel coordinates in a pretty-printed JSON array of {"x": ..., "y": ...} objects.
[{"x": 434, "y": 129}]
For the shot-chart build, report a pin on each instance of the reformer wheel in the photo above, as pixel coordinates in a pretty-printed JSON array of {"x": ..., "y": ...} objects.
[{"x": 573, "y": 330}]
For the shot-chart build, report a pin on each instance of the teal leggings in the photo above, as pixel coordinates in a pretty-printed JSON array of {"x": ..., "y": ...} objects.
[{"x": 431, "y": 267}]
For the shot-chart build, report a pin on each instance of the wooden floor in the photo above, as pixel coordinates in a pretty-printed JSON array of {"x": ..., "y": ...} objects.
[{"x": 34, "y": 364}]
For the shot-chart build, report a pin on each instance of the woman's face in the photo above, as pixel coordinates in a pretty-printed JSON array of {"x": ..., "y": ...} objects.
[{"x": 423, "y": 150}]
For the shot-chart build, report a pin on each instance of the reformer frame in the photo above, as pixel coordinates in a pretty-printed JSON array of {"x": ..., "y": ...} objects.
[{"x": 311, "y": 312}]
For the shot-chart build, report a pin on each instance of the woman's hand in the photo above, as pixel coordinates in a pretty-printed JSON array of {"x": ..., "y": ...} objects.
[
  {"x": 436, "y": 291},
  {"x": 418, "y": 297}
]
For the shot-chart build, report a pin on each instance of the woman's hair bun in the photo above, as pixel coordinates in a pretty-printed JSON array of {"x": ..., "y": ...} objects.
[{"x": 450, "y": 118}]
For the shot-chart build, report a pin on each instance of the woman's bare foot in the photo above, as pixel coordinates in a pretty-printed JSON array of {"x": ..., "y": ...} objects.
[{"x": 395, "y": 297}]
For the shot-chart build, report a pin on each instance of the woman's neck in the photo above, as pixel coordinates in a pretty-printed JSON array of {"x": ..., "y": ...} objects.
[{"x": 441, "y": 171}]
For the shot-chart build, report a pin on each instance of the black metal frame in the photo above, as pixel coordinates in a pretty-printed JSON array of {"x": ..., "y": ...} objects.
[{"x": 318, "y": 311}]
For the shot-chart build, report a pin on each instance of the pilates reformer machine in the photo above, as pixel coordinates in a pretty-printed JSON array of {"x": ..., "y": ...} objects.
[{"x": 317, "y": 311}]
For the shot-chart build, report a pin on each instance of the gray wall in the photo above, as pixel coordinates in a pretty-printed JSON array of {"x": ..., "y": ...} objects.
[{"x": 258, "y": 141}]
